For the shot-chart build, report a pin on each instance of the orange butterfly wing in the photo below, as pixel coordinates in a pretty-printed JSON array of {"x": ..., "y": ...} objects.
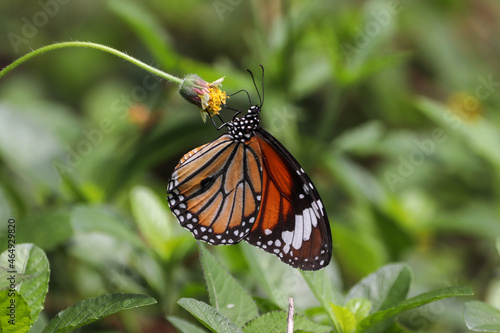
[
  {"x": 215, "y": 190},
  {"x": 292, "y": 222}
]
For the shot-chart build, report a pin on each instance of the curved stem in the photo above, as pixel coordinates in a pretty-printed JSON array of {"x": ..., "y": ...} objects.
[{"x": 23, "y": 59}]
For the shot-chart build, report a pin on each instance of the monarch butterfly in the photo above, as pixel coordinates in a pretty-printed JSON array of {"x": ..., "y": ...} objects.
[{"x": 246, "y": 186}]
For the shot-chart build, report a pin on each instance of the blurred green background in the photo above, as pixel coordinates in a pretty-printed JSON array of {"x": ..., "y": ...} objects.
[{"x": 392, "y": 107}]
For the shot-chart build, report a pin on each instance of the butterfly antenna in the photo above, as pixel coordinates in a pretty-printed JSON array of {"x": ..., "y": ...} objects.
[
  {"x": 246, "y": 92},
  {"x": 262, "y": 102},
  {"x": 255, "y": 85}
]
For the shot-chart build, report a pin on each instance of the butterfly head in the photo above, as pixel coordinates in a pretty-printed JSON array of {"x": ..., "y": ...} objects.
[{"x": 242, "y": 128}]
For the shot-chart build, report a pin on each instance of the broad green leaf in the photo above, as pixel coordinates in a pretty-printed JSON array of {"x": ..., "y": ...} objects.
[
  {"x": 276, "y": 322},
  {"x": 279, "y": 280},
  {"x": 209, "y": 316},
  {"x": 498, "y": 245},
  {"x": 360, "y": 307},
  {"x": 185, "y": 326},
  {"x": 92, "y": 309},
  {"x": 322, "y": 287},
  {"x": 152, "y": 218},
  {"x": 15, "y": 315},
  {"x": 385, "y": 288},
  {"x": 412, "y": 303},
  {"x": 481, "y": 317},
  {"x": 99, "y": 219},
  {"x": 345, "y": 318},
  {"x": 32, "y": 269},
  {"x": 359, "y": 253},
  {"x": 46, "y": 230},
  {"x": 226, "y": 295}
]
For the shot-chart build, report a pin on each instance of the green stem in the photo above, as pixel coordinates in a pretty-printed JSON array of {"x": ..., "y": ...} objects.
[{"x": 56, "y": 46}]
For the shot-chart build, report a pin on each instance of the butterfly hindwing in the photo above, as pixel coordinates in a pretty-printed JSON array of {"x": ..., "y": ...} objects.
[
  {"x": 292, "y": 222},
  {"x": 215, "y": 190}
]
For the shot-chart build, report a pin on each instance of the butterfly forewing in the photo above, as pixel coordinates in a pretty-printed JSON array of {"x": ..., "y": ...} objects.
[
  {"x": 292, "y": 222},
  {"x": 215, "y": 190}
]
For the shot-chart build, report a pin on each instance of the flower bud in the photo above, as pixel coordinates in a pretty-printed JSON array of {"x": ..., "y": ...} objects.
[{"x": 207, "y": 96}]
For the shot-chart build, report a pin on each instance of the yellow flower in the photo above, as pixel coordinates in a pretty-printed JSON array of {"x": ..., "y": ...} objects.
[{"x": 207, "y": 96}]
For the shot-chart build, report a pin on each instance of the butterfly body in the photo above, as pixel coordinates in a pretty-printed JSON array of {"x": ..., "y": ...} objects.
[{"x": 246, "y": 186}]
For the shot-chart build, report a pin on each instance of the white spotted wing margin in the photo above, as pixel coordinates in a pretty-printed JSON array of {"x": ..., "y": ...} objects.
[
  {"x": 215, "y": 190},
  {"x": 292, "y": 223}
]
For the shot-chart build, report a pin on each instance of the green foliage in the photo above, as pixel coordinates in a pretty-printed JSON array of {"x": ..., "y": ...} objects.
[
  {"x": 226, "y": 295},
  {"x": 392, "y": 111},
  {"x": 90, "y": 310},
  {"x": 24, "y": 286},
  {"x": 372, "y": 305},
  {"x": 481, "y": 317}
]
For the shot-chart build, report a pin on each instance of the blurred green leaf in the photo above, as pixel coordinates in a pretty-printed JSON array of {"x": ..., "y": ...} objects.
[
  {"x": 209, "y": 316},
  {"x": 184, "y": 326},
  {"x": 46, "y": 230},
  {"x": 385, "y": 288},
  {"x": 148, "y": 28},
  {"x": 361, "y": 140},
  {"x": 278, "y": 280},
  {"x": 90, "y": 310},
  {"x": 412, "y": 303},
  {"x": 344, "y": 317},
  {"x": 226, "y": 295},
  {"x": 99, "y": 219},
  {"x": 32, "y": 274},
  {"x": 152, "y": 218},
  {"x": 359, "y": 253},
  {"x": 360, "y": 307},
  {"x": 481, "y": 317},
  {"x": 276, "y": 322},
  {"x": 28, "y": 148},
  {"x": 323, "y": 289},
  {"x": 395, "y": 238},
  {"x": 498, "y": 245},
  {"x": 480, "y": 135},
  {"x": 16, "y": 313}
]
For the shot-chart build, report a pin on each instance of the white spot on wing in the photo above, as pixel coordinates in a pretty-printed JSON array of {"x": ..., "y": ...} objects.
[
  {"x": 268, "y": 232},
  {"x": 298, "y": 232}
]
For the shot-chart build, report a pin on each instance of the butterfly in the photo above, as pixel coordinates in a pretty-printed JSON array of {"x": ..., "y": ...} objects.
[{"x": 246, "y": 186}]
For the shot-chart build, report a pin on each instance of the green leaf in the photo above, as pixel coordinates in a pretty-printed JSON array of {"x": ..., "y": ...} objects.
[
  {"x": 395, "y": 238},
  {"x": 98, "y": 219},
  {"x": 361, "y": 140},
  {"x": 185, "y": 326},
  {"x": 385, "y": 288},
  {"x": 226, "y": 295},
  {"x": 359, "y": 253},
  {"x": 360, "y": 307},
  {"x": 208, "y": 316},
  {"x": 412, "y": 303},
  {"x": 152, "y": 218},
  {"x": 20, "y": 133},
  {"x": 480, "y": 135},
  {"x": 279, "y": 280},
  {"x": 481, "y": 317},
  {"x": 33, "y": 273},
  {"x": 148, "y": 28},
  {"x": 47, "y": 230},
  {"x": 92, "y": 309},
  {"x": 345, "y": 318},
  {"x": 323, "y": 289},
  {"x": 276, "y": 322},
  {"x": 15, "y": 315},
  {"x": 498, "y": 245}
]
